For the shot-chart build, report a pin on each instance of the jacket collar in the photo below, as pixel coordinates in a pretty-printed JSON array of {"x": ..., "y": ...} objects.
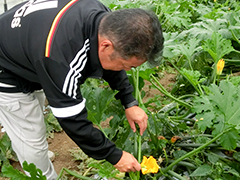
[{"x": 93, "y": 59}]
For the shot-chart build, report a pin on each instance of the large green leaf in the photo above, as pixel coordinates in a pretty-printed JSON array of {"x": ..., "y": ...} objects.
[
  {"x": 170, "y": 45},
  {"x": 217, "y": 46},
  {"x": 205, "y": 120},
  {"x": 33, "y": 171},
  {"x": 15, "y": 174},
  {"x": 105, "y": 169},
  {"x": 202, "y": 170},
  {"x": 97, "y": 103},
  {"x": 234, "y": 21},
  {"x": 98, "y": 99},
  {"x": 192, "y": 76},
  {"x": 179, "y": 19},
  {"x": 189, "y": 49},
  {"x": 220, "y": 110},
  {"x": 227, "y": 99},
  {"x": 202, "y": 104},
  {"x": 229, "y": 140},
  {"x": 12, "y": 173},
  {"x": 224, "y": 99},
  {"x": 203, "y": 30}
]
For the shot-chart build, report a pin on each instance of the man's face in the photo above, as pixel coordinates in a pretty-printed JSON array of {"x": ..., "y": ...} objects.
[
  {"x": 111, "y": 60},
  {"x": 118, "y": 64}
]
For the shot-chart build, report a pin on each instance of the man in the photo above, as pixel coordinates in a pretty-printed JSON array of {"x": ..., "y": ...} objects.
[{"x": 55, "y": 45}]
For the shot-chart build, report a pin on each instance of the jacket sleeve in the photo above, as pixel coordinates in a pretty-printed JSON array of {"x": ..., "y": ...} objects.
[
  {"x": 91, "y": 140},
  {"x": 118, "y": 80},
  {"x": 72, "y": 114}
]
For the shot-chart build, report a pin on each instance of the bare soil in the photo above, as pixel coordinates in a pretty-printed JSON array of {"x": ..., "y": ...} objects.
[{"x": 61, "y": 143}]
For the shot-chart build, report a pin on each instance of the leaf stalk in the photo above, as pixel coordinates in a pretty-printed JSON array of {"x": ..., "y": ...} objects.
[
  {"x": 194, "y": 151},
  {"x": 164, "y": 91}
]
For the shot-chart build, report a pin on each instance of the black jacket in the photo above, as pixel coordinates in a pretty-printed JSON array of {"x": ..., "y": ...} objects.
[{"x": 53, "y": 45}]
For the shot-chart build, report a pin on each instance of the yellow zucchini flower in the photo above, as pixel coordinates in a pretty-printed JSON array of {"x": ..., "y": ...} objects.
[
  {"x": 220, "y": 66},
  {"x": 149, "y": 165}
]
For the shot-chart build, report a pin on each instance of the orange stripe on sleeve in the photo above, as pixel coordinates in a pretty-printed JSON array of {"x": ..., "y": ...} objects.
[{"x": 54, "y": 26}]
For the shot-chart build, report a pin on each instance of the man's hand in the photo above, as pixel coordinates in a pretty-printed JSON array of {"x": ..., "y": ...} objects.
[
  {"x": 134, "y": 115},
  {"x": 127, "y": 163}
]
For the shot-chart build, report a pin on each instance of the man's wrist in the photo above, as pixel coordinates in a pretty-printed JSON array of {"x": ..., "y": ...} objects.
[
  {"x": 131, "y": 104},
  {"x": 115, "y": 156}
]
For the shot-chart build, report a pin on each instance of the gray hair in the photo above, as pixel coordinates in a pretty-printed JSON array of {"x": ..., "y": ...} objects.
[{"x": 134, "y": 32}]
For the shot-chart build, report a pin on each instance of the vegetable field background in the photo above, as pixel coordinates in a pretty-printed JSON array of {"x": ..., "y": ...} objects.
[
  {"x": 194, "y": 118},
  {"x": 8, "y": 4}
]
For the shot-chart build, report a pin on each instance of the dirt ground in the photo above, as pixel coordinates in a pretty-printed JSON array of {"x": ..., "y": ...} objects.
[
  {"x": 61, "y": 143},
  {"x": 60, "y": 146}
]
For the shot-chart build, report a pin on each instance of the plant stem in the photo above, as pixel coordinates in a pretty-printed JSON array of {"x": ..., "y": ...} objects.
[
  {"x": 139, "y": 153},
  {"x": 187, "y": 95},
  {"x": 166, "y": 156},
  {"x": 194, "y": 151},
  {"x": 155, "y": 123},
  {"x": 135, "y": 145},
  {"x": 176, "y": 175},
  {"x": 182, "y": 116},
  {"x": 164, "y": 91},
  {"x": 232, "y": 60},
  {"x": 215, "y": 73},
  {"x": 73, "y": 174},
  {"x": 100, "y": 127},
  {"x": 133, "y": 176},
  {"x": 218, "y": 156},
  {"x": 197, "y": 88},
  {"x": 185, "y": 164},
  {"x": 86, "y": 172},
  {"x": 139, "y": 148},
  {"x": 194, "y": 145},
  {"x": 137, "y": 136},
  {"x": 234, "y": 36},
  {"x": 153, "y": 136}
]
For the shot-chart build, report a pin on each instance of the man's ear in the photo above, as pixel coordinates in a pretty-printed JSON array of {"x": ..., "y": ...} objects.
[{"x": 105, "y": 46}]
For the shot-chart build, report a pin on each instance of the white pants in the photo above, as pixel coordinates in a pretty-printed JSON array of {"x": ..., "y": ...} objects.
[{"x": 22, "y": 117}]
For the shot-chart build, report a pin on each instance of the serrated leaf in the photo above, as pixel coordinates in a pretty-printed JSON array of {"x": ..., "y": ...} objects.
[
  {"x": 235, "y": 80},
  {"x": 218, "y": 124},
  {"x": 98, "y": 99},
  {"x": 145, "y": 74},
  {"x": 190, "y": 48},
  {"x": 203, "y": 30},
  {"x": 5, "y": 143},
  {"x": 5, "y": 149},
  {"x": 192, "y": 76},
  {"x": 217, "y": 46},
  {"x": 179, "y": 19},
  {"x": 226, "y": 99},
  {"x": 14, "y": 174},
  {"x": 202, "y": 170},
  {"x": 225, "y": 104},
  {"x": 33, "y": 171},
  {"x": 105, "y": 169},
  {"x": 212, "y": 158},
  {"x": 205, "y": 120},
  {"x": 201, "y": 104},
  {"x": 229, "y": 139},
  {"x": 198, "y": 33},
  {"x": 170, "y": 46},
  {"x": 214, "y": 14}
]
